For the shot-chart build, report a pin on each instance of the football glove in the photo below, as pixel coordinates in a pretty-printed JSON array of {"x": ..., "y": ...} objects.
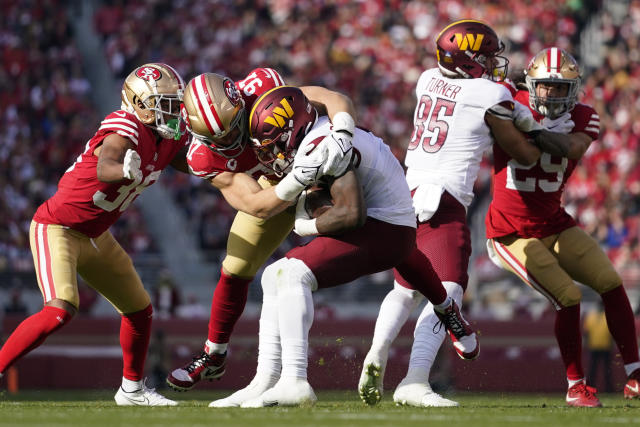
[
  {"x": 131, "y": 165},
  {"x": 523, "y": 119},
  {"x": 562, "y": 124}
]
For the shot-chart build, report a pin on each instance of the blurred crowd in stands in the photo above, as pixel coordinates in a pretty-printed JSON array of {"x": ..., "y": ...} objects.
[{"x": 373, "y": 51}]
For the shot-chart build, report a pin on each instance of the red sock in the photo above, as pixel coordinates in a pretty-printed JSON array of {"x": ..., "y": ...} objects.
[
  {"x": 418, "y": 271},
  {"x": 135, "y": 330},
  {"x": 31, "y": 333},
  {"x": 227, "y": 305},
  {"x": 621, "y": 323},
  {"x": 568, "y": 335}
]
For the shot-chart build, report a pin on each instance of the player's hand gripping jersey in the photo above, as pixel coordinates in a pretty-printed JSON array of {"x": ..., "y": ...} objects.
[
  {"x": 527, "y": 198},
  {"x": 442, "y": 156},
  {"x": 85, "y": 204},
  {"x": 204, "y": 163}
]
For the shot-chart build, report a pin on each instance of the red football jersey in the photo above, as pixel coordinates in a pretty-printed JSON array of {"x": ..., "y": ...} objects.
[
  {"x": 89, "y": 206},
  {"x": 204, "y": 163},
  {"x": 527, "y": 199}
]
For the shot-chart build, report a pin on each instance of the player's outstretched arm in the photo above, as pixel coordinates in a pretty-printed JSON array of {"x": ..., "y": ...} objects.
[
  {"x": 245, "y": 194},
  {"x": 572, "y": 146},
  {"x": 115, "y": 162}
]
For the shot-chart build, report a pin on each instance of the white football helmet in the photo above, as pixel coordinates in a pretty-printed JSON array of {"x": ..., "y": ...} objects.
[
  {"x": 153, "y": 92},
  {"x": 553, "y": 65},
  {"x": 214, "y": 114}
]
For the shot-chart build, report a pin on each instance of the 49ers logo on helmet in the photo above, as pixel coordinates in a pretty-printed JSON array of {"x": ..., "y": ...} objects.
[
  {"x": 148, "y": 73},
  {"x": 232, "y": 92}
]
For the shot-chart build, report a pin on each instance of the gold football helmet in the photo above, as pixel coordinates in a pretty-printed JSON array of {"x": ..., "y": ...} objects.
[
  {"x": 213, "y": 111},
  {"x": 553, "y": 65},
  {"x": 153, "y": 92}
]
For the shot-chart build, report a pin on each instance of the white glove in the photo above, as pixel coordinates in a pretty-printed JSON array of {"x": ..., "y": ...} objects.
[
  {"x": 131, "y": 165},
  {"x": 562, "y": 124},
  {"x": 339, "y": 145},
  {"x": 523, "y": 119},
  {"x": 305, "y": 171},
  {"x": 304, "y": 225}
]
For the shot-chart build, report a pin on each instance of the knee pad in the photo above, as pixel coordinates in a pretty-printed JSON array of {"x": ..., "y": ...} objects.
[
  {"x": 296, "y": 273},
  {"x": 270, "y": 275},
  {"x": 412, "y": 293},
  {"x": 455, "y": 291},
  {"x": 607, "y": 280},
  {"x": 569, "y": 296}
]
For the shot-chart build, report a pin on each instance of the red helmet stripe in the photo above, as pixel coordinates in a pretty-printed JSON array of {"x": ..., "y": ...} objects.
[
  {"x": 548, "y": 60},
  {"x": 205, "y": 106},
  {"x": 175, "y": 74}
]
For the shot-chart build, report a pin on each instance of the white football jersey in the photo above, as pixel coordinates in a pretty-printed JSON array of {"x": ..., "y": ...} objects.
[
  {"x": 385, "y": 189},
  {"x": 450, "y": 134}
]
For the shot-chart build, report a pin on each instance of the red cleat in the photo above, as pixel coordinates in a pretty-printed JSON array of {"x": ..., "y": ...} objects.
[
  {"x": 465, "y": 340},
  {"x": 583, "y": 396},
  {"x": 203, "y": 367},
  {"x": 632, "y": 389}
]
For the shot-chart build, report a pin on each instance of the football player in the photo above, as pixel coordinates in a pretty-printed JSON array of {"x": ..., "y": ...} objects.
[
  {"x": 216, "y": 113},
  {"x": 531, "y": 234},
  {"x": 70, "y": 235},
  {"x": 371, "y": 213},
  {"x": 461, "y": 111}
]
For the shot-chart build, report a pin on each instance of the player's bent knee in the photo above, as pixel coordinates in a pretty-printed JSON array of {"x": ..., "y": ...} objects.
[
  {"x": 608, "y": 280},
  {"x": 270, "y": 276},
  {"x": 239, "y": 267},
  {"x": 298, "y": 274},
  {"x": 570, "y": 296},
  {"x": 67, "y": 306}
]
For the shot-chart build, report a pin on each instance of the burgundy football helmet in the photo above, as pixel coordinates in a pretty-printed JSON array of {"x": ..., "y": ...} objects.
[
  {"x": 278, "y": 123},
  {"x": 471, "y": 49}
]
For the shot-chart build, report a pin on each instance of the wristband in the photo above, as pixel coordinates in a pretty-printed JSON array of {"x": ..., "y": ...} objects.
[
  {"x": 289, "y": 188},
  {"x": 306, "y": 227},
  {"x": 343, "y": 121}
]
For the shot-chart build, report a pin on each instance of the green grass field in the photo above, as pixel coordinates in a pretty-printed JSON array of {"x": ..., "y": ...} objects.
[{"x": 97, "y": 408}]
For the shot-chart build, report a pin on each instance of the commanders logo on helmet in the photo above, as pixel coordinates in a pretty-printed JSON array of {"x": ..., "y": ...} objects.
[
  {"x": 153, "y": 92},
  {"x": 553, "y": 65},
  {"x": 214, "y": 114},
  {"x": 470, "y": 49},
  {"x": 278, "y": 122}
]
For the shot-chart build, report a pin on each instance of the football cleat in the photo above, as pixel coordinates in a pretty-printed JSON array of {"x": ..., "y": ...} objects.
[
  {"x": 632, "y": 389},
  {"x": 582, "y": 395},
  {"x": 203, "y": 367},
  {"x": 413, "y": 393},
  {"x": 288, "y": 391},
  {"x": 256, "y": 387},
  {"x": 142, "y": 397},
  {"x": 464, "y": 339},
  {"x": 370, "y": 386}
]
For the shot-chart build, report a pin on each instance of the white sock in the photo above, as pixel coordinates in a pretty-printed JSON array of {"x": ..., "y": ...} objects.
[
  {"x": 394, "y": 312},
  {"x": 212, "y": 347},
  {"x": 269, "y": 350},
  {"x": 444, "y": 305},
  {"x": 574, "y": 382},
  {"x": 130, "y": 386},
  {"x": 295, "y": 316},
  {"x": 628, "y": 369},
  {"x": 425, "y": 343}
]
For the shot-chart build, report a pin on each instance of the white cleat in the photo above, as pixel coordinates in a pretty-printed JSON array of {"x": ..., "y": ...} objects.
[
  {"x": 412, "y": 393},
  {"x": 142, "y": 397},
  {"x": 370, "y": 386},
  {"x": 256, "y": 387},
  {"x": 288, "y": 391}
]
